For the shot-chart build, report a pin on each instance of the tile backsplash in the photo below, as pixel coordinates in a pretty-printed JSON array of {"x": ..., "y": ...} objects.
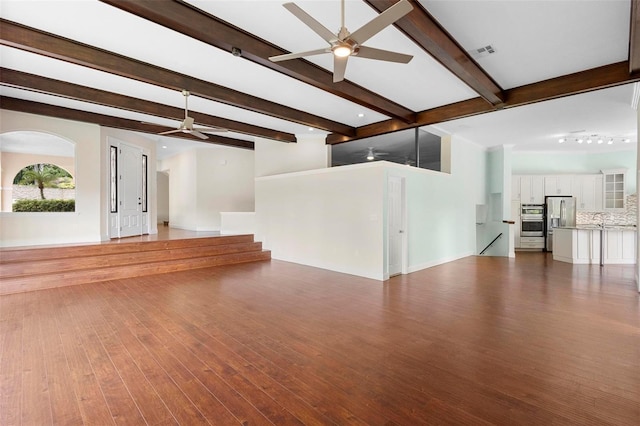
[{"x": 626, "y": 217}]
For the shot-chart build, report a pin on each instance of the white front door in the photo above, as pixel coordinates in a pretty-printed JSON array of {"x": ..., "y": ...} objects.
[
  {"x": 130, "y": 183},
  {"x": 395, "y": 224}
]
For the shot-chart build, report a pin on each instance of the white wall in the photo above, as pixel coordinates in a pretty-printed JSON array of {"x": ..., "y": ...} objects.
[
  {"x": 162, "y": 181},
  {"x": 335, "y": 218},
  {"x": 89, "y": 223},
  {"x": 182, "y": 189},
  {"x": 499, "y": 166},
  {"x": 272, "y": 157},
  {"x": 442, "y": 207},
  {"x": 327, "y": 218},
  {"x": 83, "y": 225},
  {"x": 206, "y": 181}
]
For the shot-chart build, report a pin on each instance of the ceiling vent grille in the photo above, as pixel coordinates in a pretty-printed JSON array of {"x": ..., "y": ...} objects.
[{"x": 483, "y": 51}]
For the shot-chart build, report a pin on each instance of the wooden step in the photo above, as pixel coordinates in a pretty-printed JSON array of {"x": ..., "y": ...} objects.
[
  {"x": 25, "y": 269},
  {"x": 35, "y": 267},
  {"x": 25, "y": 254}
]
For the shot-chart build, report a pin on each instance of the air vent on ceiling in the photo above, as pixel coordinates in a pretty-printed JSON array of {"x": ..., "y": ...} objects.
[{"x": 483, "y": 51}]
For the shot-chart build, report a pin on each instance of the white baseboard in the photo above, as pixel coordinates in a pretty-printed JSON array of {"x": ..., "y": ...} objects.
[{"x": 430, "y": 264}]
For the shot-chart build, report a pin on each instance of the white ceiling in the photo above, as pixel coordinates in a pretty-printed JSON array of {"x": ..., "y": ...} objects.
[{"x": 534, "y": 40}]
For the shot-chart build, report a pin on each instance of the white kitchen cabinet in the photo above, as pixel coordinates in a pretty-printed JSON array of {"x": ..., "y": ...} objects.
[
  {"x": 532, "y": 189},
  {"x": 614, "y": 189},
  {"x": 620, "y": 246},
  {"x": 531, "y": 242},
  {"x": 588, "y": 192},
  {"x": 582, "y": 245},
  {"x": 557, "y": 185}
]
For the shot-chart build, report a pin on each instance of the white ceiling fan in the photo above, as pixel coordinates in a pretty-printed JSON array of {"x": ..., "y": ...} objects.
[
  {"x": 345, "y": 44},
  {"x": 187, "y": 124}
]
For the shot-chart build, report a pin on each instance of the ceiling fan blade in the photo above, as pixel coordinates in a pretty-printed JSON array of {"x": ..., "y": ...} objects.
[
  {"x": 170, "y": 131},
  {"x": 382, "y": 55},
  {"x": 381, "y": 21},
  {"x": 311, "y": 22},
  {"x": 198, "y": 134},
  {"x": 210, "y": 129},
  {"x": 339, "y": 68},
  {"x": 288, "y": 56}
]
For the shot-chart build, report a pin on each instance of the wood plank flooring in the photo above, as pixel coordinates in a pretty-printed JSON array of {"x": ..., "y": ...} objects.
[{"x": 476, "y": 341}]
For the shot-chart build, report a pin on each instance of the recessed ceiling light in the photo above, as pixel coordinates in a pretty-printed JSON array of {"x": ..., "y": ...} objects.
[
  {"x": 361, "y": 115},
  {"x": 579, "y": 140},
  {"x": 600, "y": 141},
  {"x": 626, "y": 140},
  {"x": 610, "y": 142},
  {"x": 589, "y": 140},
  {"x": 311, "y": 129},
  {"x": 164, "y": 147},
  {"x": 562, "y": 140}
]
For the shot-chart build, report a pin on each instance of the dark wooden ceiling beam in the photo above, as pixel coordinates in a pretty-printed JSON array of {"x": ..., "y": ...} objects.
[
  {"x": 427, "y": 33},
  {"x": 38, "y": 108},
  {"x": 567, "y": 85},
  {"x": 184, "y": 18},
  {"x": 40, "y": 42},
  {"x": 9, "y": 77},
  {"x": 634, "y": 37}
]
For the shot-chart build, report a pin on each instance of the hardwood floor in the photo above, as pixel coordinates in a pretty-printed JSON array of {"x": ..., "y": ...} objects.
[{"x": 477, "y": 341}]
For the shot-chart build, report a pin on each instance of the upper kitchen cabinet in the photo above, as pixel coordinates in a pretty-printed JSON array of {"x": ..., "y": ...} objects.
[
  {"x": 588, "y": 192},
  {"x": 532, "y": 189},
  {"x": 515, "y": 188},
  {"x": 557, "y": 185},
  {"x": 614, "y": 189}
]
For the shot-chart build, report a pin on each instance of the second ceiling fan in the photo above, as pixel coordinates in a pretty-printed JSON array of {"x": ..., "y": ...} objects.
[
  {"x": 186, "y": 126},
  {"x": 344, "y": 44}
]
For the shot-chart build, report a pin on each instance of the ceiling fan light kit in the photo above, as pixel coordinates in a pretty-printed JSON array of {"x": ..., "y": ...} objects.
[{"x": 344, "y": 44}]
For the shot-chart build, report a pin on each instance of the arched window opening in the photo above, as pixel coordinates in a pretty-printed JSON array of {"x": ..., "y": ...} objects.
[
  {"x": 43, "y": 187},
  {"x": 37, "y": 172}
]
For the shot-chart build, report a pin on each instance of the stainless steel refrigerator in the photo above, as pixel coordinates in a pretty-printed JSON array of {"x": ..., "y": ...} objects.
[{"x": 559, "y": 211}]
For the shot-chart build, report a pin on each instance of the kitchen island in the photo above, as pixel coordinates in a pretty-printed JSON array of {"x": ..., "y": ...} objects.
[{"x": 582, "y": 245}]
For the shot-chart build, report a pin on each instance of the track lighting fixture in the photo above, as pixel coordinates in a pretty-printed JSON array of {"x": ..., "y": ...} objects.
[{"x": 589, "y": 139}]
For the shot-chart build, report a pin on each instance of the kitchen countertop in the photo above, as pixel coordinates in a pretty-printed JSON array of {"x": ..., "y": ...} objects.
[{"x": 606, "y": 227}]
